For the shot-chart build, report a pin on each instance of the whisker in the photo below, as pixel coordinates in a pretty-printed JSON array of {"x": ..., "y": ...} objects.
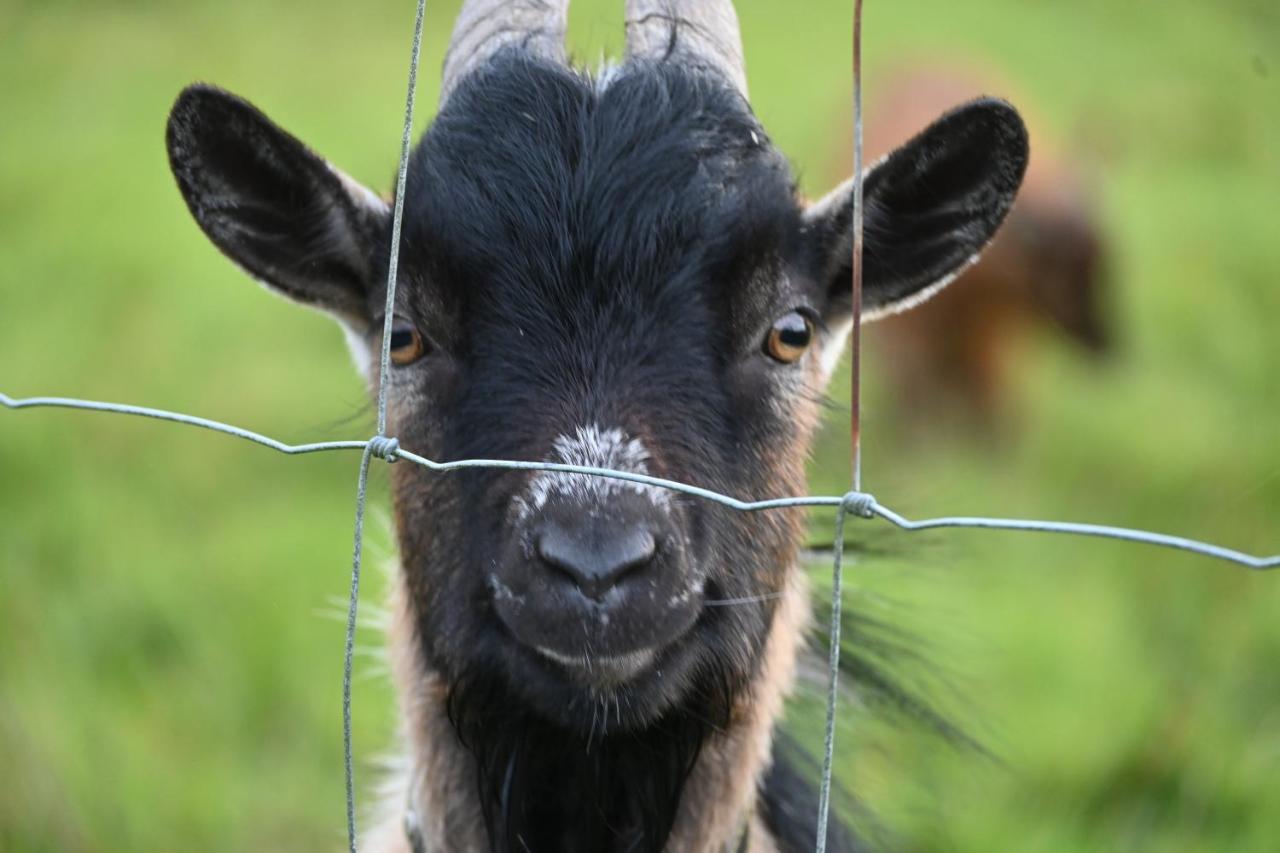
[{"x": 751, "y": 599}]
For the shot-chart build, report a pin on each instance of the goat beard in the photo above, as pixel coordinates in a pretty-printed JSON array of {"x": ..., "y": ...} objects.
[{"x": 544, "y": 788}]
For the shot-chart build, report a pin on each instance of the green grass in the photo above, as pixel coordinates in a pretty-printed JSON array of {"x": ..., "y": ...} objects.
[{"x": 166, "y": 678}]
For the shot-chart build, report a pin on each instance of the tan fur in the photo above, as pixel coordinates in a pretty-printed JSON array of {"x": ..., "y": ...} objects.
[
  {"x": 440, "y": 772},
  {"x": 721, "y": 791},
  {"x": 719, "y": 796}
]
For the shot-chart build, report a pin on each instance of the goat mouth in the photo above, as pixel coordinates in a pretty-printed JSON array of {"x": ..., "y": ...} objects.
[{"x": 602, "y": 670}]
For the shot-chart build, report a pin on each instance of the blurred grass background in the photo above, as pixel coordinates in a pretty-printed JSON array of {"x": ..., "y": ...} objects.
[{"x": 168, "y": 676}]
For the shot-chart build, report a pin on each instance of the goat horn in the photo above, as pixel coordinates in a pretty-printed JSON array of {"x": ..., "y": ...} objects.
[
  {"x": 486, "y": 26},
  {"x": 699, "y": 32}
]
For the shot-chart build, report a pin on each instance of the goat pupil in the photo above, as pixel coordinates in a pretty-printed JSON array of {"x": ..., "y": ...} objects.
[
  {"x": 789, "y": 338},
  {"x": 401, "y": 338},
  {"x": 794, "y": 332}
]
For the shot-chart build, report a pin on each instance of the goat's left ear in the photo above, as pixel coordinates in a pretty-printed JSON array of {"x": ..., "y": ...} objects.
[{"x": 930, "y": 207}]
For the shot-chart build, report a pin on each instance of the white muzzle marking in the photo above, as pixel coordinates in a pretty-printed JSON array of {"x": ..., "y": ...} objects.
[{"x": 591, "y": 447}]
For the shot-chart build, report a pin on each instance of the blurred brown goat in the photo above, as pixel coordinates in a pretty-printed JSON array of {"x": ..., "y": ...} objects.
[{"x": 952, "y": 354}]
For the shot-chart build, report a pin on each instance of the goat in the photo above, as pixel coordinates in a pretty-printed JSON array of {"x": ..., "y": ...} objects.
[
  {"x": 611, "y": 270},
  {"x": 1049, "y": 263}
]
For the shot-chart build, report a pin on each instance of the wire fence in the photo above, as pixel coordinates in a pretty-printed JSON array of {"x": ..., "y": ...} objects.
[{"x": 856, "y": 503}]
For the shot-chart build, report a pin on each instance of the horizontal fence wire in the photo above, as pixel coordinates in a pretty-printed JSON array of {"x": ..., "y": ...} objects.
[
  {"x": 860, "y": 503},
  {"x": 856, "y": 503}
]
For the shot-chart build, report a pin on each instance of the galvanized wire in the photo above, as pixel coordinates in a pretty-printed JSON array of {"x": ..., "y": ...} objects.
[
  {"x": 860, "y": 504},
  {"x": 855, "y": 499},
  {"x": 362, "y": 489},
  {"x": 872, "y": 506},
  {"x": 380, "y": 444},
  {"x": 855, "y": 267},
  {"x": 176, "y": 417},
  {"x": 397, "y": 219}
]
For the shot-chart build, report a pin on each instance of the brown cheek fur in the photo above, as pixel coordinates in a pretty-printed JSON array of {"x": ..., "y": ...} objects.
[
  {"x": 779, "y": 454},
  {"x": 418, "y": 495}
]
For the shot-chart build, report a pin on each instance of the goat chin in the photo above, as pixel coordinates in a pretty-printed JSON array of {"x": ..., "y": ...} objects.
[{"x": 475, "y": 761}]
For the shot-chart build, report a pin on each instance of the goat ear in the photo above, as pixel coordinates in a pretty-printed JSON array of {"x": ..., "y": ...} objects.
[
  {"x": 274, "y": 207},
  {"x": 930, "y": 207}
]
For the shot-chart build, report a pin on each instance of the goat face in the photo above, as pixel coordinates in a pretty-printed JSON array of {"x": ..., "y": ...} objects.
[
  {"x": 615, "y": 273},
  {"x": 606, "y": 266}
]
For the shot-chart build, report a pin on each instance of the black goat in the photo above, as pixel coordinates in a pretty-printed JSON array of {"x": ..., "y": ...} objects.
[{"x": 610, "y": 270}]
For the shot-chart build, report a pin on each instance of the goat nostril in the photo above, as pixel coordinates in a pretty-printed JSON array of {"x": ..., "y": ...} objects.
[{"x": 596, "y": 559}]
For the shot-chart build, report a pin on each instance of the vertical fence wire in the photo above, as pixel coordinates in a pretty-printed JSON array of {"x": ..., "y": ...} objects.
[
  {"x": 381, "y": 445},
  {"x": 855, "y": 267},
  {"x": 854, "y": 499},
  {"x": 362, "y": 488},
  {"x": 833, "y": 683}
]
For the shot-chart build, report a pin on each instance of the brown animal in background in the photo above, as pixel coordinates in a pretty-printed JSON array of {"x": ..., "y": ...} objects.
[{"x": 951, "y": 357}]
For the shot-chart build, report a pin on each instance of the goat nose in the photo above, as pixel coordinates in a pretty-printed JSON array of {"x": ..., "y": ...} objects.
[{"x": 596, "y": 555}]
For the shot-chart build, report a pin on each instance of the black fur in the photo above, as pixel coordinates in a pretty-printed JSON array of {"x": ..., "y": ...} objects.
[
  {"x": 789, "y": 803},
  {"x": 271, "y": 204},
  {"x": 588, "y": 265},
  {"x": 578, "y": 255},
  {"x": 598, "y": 257},
  {"x": 931, "y": 206},
  {"x": 545, "y": 788}
]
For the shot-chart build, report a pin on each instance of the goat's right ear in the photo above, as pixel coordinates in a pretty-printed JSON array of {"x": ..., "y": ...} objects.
[
  {"x": 931, "y": 206},
  {"x": 273, "y": 206}
]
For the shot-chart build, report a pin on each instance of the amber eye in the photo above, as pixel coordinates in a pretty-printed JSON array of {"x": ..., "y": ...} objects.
[
  {"x": 407, "y": 345},
  {"x": 789, "y": 338}
]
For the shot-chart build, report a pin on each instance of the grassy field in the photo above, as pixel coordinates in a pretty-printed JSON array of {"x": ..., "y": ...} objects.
[{"x": 169, "y": 676}]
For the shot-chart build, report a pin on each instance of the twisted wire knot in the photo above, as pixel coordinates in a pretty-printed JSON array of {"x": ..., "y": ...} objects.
[
  {"x": 860, "y": 504},
  {"x": 385, "y": 448}
]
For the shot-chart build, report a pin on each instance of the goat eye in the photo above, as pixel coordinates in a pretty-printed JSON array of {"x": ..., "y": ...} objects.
[
  {"x": 789, "y": 338},
  {"x": 407, "y": 345}
]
